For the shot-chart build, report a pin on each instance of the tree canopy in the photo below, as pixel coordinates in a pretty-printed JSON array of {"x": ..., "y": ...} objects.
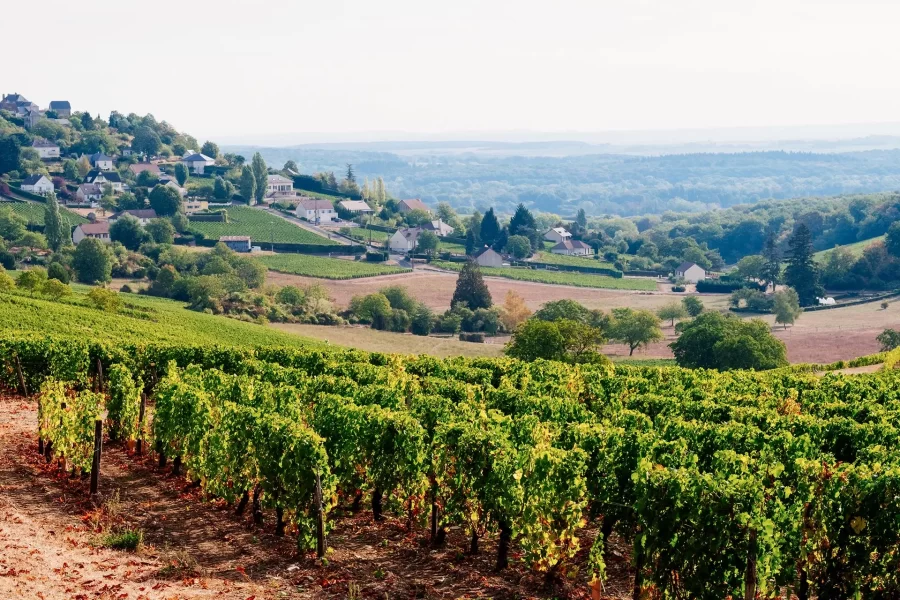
[
  {"x": 471, "y": 288},
  {"x": 717, "y": 341}
]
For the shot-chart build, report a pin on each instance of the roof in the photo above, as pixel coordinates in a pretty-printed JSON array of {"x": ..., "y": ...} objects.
[
  {"x": 14, "y": 98},
  {"x": 410, "y": 233},
  {"x": 138, "y": 168},
  {"x": 571, "y": 245},
  {"x": 234, "y": 238},
  {"x": 561, "y": 231},
  {"x": 315, "y": 204},
  {"x": 89, "y": 189},
  {"x": 99, "y": 156},
  {"x": 112, "y": 176},
  {"x": 197, "y": 157},
  {"x": 32, "y": 179},
  {"x": 137, "y": 213},
  {"x": 485, "y": 250},
  {"x": 415, "y": 204},
  {"x": 57, "y": 104},
  {"x": 276, "y": 178},
  {"x": 354, "y": 205},
  {"x": 439, "y": 226},
  {"x": 42, "y": 143},
  {"x": 94, "y": 228},
  {"x": 687, "y": 265}
]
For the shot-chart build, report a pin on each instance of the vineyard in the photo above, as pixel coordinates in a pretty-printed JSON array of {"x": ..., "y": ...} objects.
[
  {"x": 261, "y": 226},
  {"x": 559, "y": 277},
  {"x": 726, "y": 485},
  {"x": 326, "y": 268},
  {"x": 33, "y": 213}
]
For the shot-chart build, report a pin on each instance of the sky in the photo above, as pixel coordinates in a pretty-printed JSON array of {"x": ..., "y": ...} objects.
[{"x": 297, "y": 70}]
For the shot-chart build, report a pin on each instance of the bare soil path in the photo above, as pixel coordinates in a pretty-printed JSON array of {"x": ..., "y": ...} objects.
[{"x": 195, "y": 548}]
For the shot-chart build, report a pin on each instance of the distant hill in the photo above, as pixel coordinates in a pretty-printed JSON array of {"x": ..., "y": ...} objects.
[{"x": 856, "y": 249}]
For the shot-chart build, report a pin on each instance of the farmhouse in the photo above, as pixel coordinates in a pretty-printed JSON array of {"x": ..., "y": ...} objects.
[
  {"x": 315, "y": 210},
  {"x": 278, "y": 184},
  {"x": 691, "y": 272},
  {"x": 102, "y": 161},
  {"x": 571, "y": 248},
  {"x": 37, "y": 184},
  {"x": 193, "y": 205},
  {"x": 89, "y": 193},
  {"x": 103, "y": 177},
  {"x": 142, "y": 215},
  {"x": 62, "y": 108},
  {"x": 405, "y": 240},
  {"x": 557, "y": 234},
  {"x": 11, "y": 101},
  {"x": 45, "y": 149},
  {"x": 438, "y": 227},
  {"x": 238, "y": 243},
  {"x": 98, "y": 231},
  {"x": 138, "y": 168},
  {"x": 405, "y": 206},
  {"x": 488, "y": 257},
  {"x": 197, "y": 162},
  {"x": 355, "y": 206}
]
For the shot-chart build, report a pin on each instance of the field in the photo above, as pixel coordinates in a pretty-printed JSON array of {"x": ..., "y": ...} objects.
[
  {"x": 363, "y": 234},
  {"x": 559, "y": 277},
  {"x": 326, "y": 268},
  {"x": 576, "y": 261},
  {"x": 156, "y": 320},
  {"x": 261, "y": 226},
  {"x": 33, "y": 213},
  {"x": 855, "y": 249}
]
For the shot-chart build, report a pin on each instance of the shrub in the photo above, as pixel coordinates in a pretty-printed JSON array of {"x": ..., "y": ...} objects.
[
  {"x": 124, "y": 539},
  {"x": 59, "y": 272},
  {"x": 477, "y": 338},
  {"x": 105, "y": 299}
]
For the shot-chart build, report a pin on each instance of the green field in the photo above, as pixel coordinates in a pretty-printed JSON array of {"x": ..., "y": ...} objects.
[
  {"x": 559, "y": 277},
  {"x": 575, "y": 261},
  {"x": 363, "y": 234},
  {"x": 326, "y": 268},
  {"x": 33, "y": 212},
  {"x": 262, "y": 228},
  {"x": 162, "y": 321},
  {"x": 856, "y": 249}
]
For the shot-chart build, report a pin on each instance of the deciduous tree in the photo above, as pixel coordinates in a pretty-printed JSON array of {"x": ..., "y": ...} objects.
[
  {"x": 634, "y": 328},
  {"x": 91, "y": 261},
  {"x": 514, "y": 311},
  {"x": 165, "y": 201},
  {"x": 673, "y": 310},
  {"x": 786, "y": 307},
  {"x": 181, "y": 173},
  {"x": 55, "y": 230},
  {"x": 261, "y": 176}
]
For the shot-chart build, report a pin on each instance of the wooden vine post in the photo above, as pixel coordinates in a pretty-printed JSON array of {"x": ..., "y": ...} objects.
[
  {"x": 320, "y": 518},
  {"x": 98, "y": 450},
  {"x": 140, "y": 439},
  {"x": 750, "y": 581}
]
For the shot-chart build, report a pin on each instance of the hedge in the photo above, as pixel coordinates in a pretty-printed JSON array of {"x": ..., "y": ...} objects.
[
  {"x": 295, "y": 248},
  {"x": 714, "y": 286},
  {"x": 25, "y": 194},
  {"x": 616, "y": 274},
  {"x": 310, "y": 183},
  {"x": 377, "y": 256},
  {"x": 477, "y": 338}
]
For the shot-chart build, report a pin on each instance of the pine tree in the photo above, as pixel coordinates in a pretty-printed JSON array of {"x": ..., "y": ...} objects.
[
  {"x": 351, "y": 178},
  {"x": 248, "y": 184},
  {"x": 260, "y": 176},
  {"x": 801, "y": 272},
  {"x": 522, "y": 219},
  {"x": 471, "y": 288},
  {"x": 581, "y": 218},
  {"x": 54, "y": 228},
  {"x": 490, "y": 228},
  {"x": 473, "y": 244},
  {"x": 772, "y": 269}
]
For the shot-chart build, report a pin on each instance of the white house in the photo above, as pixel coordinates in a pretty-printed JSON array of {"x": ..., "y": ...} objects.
[
  {"x": 101, "y": 178},
  {"x": 557, "y": 234},
  {"x": 193, "y": 205},
  {"x": 571, "y": 248},
  {"x": 405, "y": 206},
  {"x": 278, "y": 184},
  {"x": 438, "y": 227},
  {"x": 143, "y": 215},
  {"x": 102, "y": 161},
  {"x": 89, "y": 193},
  {"x": 315, "y": 210},
  {"x": 355, "y": 206},
  {"x": 45, "y": 149},
  {"x": 489, "y": 258},
  {"x": 98, "y": 230},
  {"x": 405, "y": 240},
  {"x": 197, "y": 162},
  {"x": 691, "y": 272},
  {"x": 37, "y": 184},
  {"x": 238, "y": 243}
]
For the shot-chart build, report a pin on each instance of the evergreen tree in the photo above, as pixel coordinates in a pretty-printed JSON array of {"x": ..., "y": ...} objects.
[
  {"x": 260, "y": 175},
  {"x": 801, "y": 272},
  {"x": 771, "y": 271},
  {"x": 581, "y": 218},
  {"x": 473, "y": 244},
  {"x": 86, "y": 121},
  {"x": 471, "y": 288},
  {"x": 220, "y": 191},
  {"x": 181, "y": 173},
  {"x": 248, "y": 184},
  {"x": 490, "y": 228},
  {"x": 351, "y": 178},
  {"x": 54, "y": 229},
  {"x": 522, "y": 219}
]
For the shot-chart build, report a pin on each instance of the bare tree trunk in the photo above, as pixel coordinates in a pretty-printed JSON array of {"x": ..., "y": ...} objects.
[
  {"x": 257, "y": 507},
  {"x": 377, "y": 500},
  {"x": 242, "y": 505},
  {"x": 473, "y": 547},
  {"x": 503, "y": 546},
  {"x": 750, "y": 576}
]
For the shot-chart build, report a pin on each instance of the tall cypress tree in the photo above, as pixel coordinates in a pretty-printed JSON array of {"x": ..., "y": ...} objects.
[
  {"x": 581, "y": 218},
  {"x": 471, "y": 288},
  {"x": 260, "y": 175},
  {"x": 772, "y": 268},
  {"x": 801, "y": 273},
  {"x": 54, "y": 228},
  {"x": 248, "y": 184},
  {"x": 490, "y": 228}
]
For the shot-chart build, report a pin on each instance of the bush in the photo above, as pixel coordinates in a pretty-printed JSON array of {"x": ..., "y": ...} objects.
[
  {"x": 678, "y": 288},
  {"x": 716, "y": 341},
  {"x": 126, "y": 289},
  {"x": 59, "y": 272},
  {"x": 105, "y": 299},
  {"x": 713, "y": 286},
  {"x": 125, "y": 539},
  {"x": 376, "y": 256},
  {"x": 7, "y": 260},
  {"x": 477, "y": 338}
]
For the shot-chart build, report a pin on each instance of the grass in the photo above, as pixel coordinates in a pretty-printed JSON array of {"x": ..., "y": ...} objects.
[
  {"x": 334, "y": 199},
  {"x": 559, "y": 277},
  {"x": 361, "y": 233},
  {"x": 33, "y": 213},
  {"x": 148, "y": 319},
  {"x": 373, "y": 340},
  {"x": 124, "y": 539},
  {"x": 326, "y": 268},
  {"x": 644, "y": 362},
  {"x": 261, "y": 226},
  {"x": 856, "y": 249},
  {"x": 576, "y": 261}
]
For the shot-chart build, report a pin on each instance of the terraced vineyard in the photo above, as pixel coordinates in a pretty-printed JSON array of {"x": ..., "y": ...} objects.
[
  {"x": 559, "y": 277},
  {"x": 327, "y": 268},
  {"x": 261, "y": 226},
  {"x": 33, "y": 212}
]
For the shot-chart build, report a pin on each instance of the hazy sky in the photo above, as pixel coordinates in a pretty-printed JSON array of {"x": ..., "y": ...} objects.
[{"x": 234, "y": 69}]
